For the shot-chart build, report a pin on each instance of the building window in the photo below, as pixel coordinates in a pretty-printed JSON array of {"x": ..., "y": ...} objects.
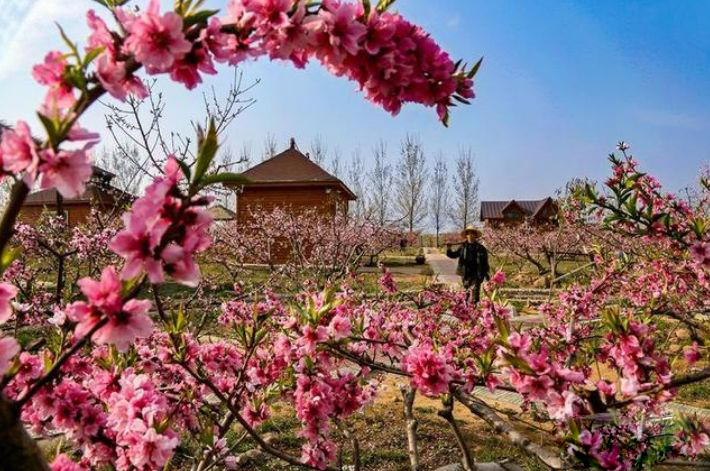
[{"x": 513, "y": 215}]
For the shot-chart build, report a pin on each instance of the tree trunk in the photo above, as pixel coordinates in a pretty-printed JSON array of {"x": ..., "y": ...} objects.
[
  {"x": 18, "y": 451},
  {"x": 506, "y": 466},
  {"x": 408, "y": 394},
  {"x": 447, "y": 413}
]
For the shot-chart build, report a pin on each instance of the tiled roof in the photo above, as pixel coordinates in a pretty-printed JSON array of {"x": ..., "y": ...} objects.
[
  {"x": 292, "y": 167},
  {"x": 92, "y": 193},
  {"x": 495, "y": 209},
  {"x": 221, "y": 213},
  {"x": 98, "y": 188}
]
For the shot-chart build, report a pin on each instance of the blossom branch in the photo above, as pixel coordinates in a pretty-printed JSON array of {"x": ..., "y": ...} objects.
[
  {"x": 56, "y": 367},
  {"x": 248, "y": 428},
  {"x": 548, "y": 457}
]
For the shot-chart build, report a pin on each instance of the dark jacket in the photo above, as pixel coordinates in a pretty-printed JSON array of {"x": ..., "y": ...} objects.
[{"x": 473, "y": 260}]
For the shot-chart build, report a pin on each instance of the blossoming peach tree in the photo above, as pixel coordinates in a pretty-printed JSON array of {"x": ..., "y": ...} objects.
[
  {"x": 300, "y": 248},
  {"x": 79, "y": 391},
  {"x": 128, "y": 382}
]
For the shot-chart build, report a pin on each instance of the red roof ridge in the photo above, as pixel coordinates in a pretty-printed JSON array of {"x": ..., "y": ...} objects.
[
  {"x": 292, "y": 166},
  {"x": 493, "y": 209}
]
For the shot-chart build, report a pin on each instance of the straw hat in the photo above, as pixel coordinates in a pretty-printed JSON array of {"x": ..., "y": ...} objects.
[{"x": 471, "y": 230}]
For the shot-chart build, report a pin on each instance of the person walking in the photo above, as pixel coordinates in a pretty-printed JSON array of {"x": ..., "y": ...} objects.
[{"x": 473, "y": 261}]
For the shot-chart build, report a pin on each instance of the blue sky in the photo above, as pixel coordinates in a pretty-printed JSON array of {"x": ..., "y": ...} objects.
[{"x": 561, "y": 83}]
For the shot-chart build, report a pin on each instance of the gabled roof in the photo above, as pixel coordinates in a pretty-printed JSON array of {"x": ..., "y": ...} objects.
[
  {"x": 221, "y": 213},
  {"x": 98, "y": 189},
  {"x": 292, "y": 167},
  {"x": 92, "y": 193},
  {"x": 513, "y": 205},
  {"x": 497, "y": 209}
]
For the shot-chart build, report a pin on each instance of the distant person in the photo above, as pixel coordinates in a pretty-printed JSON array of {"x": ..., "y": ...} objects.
[{"x": 473, "y": 261}]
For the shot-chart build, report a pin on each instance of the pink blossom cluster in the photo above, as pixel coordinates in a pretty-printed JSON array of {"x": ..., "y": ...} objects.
[
  {"x": 9, "y": 347},
  {"x": 63, "y": 463},
  {"x": 392, "y": 60},
  {"x": 431, "y": 372},
  {"x": 141, "y": 419},
  {"x": 632, "y": 351},
  {"x": 700, "y": 252},
  {"x": 122, "y": 321},
  {"x": 318, "y": 398},
  {"x": 593, "y": 448},
  {"x": 60, "y": 92},
  {"x": 164, "y": 230},
  {"x": 89, "y": 243},
  {"x": 300, "y": 247},
  {"x": 551, "y": 364},
  {"x": 539, "y": 376},
  {"x": 694, "y": 436},
  {"x": 66, "y": 170},
  {"x": 117, "y": 418},
  {"x": 387, "y": 282}
]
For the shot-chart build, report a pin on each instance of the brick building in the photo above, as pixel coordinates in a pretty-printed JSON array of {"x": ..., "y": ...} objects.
[
  {"x": 293, "y": 182},
  {"x": 542, "y": 211},
  {"x": 99, "y": 194}
]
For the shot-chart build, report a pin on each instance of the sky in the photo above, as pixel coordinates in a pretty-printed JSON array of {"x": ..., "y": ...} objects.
[{"x": 561, "y": 83}]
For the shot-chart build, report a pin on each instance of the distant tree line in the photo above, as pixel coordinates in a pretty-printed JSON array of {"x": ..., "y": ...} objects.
[{"x": 405, "y": 188}]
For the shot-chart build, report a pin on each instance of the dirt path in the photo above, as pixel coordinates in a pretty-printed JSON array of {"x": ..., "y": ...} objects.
[{"x": 443, "y": 268}]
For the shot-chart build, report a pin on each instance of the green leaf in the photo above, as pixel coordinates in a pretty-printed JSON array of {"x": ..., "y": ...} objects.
[
  {"x": 180, "y": 319},
  {"x": 503, "y": 328},
  {"x": 226, "y": 177},
  {"x": 631, "y": 204},
  {"x": 185, "y": 169},
  {"x": 8, "y": 256},
  {"x": 181, "y": 6},
  {"x": 66, "y": 39},
  {"x": 383, "y": 5},
  {"x": 199, "y": 17},
  {"x": 51, "y": 128},
  {"x": 207, "y": 149},
  {"x": 91, "y": 55},
  {"x": 129, "y": 285},
  {"x": 112, "y": 3},
  {"x": 474, "y": 70},
  {"x": 367, "y": 6},
  {"x": 75, "y": 76}
]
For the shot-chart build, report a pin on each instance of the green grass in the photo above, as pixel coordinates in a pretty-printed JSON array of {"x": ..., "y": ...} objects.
[{"x": 698, "y": 393}]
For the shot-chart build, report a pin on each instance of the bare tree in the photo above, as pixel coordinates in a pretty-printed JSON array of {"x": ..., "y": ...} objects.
[
  {"x": 439, "y": 195},
  {"x": 318, "y": 150},
  {"x": 465, "y": 190},
  {"x": 128, "y": 177},
  {"x": 245, "y": 156},
  {"x": 269, "y": 147},
  {"x": 379, "y": 180},
  {"x": 138, "y": 125},
  {"x": 356, "y": 170},
  {"x": 409, "y": 179},
  {"x": 336, "y": 162}
]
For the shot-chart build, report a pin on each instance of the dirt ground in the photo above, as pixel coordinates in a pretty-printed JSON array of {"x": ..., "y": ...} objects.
[{"x": 381, "y": 432}]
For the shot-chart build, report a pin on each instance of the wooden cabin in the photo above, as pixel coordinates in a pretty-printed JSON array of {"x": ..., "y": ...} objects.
[
  {"x": 293, "y": 182},
  {"x": 99, "y": 194},
  {"x": 542, "y": 211}
]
